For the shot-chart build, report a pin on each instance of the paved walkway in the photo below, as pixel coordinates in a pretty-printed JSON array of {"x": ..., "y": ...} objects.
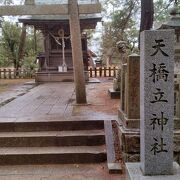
[
  {"x": 56, "y": 101},
  {"x": 58, "y": 172},
  {"x": 42, "y": 101},
  {"x": 15, "y": 91}
]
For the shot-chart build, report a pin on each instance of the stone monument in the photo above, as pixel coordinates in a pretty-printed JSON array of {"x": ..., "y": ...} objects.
[
  {"x": 117, "y": 82},
  {"x": 156, "y": 108},
  {"x": 129, "y": 132},
  {"x": 115, "y": 91},
  {"x": 129, "y": 111},
  {"x": 157, "y": 102}
]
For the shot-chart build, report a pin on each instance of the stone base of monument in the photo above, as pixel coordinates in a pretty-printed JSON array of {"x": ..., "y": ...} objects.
[
  {"x": 129, "y": 136},
  {"x": 128, "y": 123},
  {"x": 133, "y": 172},
  {"x": 130, "y": 144},
  {"x": 114, "y": 94}
]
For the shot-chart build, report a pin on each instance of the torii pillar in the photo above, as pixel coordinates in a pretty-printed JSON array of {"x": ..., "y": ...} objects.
[
  {"x": 73, "y": 10},
  {"x": 79, "y": 77}
]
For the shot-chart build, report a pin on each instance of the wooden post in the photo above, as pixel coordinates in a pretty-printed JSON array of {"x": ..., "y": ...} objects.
[
  {"x": 90, "y": 70},
  {"x": 109, "y": 71},
  {"x": 95, "y": 72},
  {"x": 9, "y": 73},
  {"x": 100, "y": 72},
  {"x": 104, "y": 71},
  {"x": 79, "y": 76},
  {"x": 114, "y": 71},
  {"x": 14, "y": 73},
  {"x": 4, "y": 73}
]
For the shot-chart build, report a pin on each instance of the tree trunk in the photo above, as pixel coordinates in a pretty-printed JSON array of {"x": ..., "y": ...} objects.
[
  {"x": 35, "y": 41},
  {"x": 147, "y": 14},
  {"x": 21, "y": 46}
]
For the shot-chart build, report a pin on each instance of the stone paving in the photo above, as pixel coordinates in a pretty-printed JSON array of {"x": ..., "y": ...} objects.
[
  {"x": 43, "y": 100},
  {"x": 15, "y": 91},
  {"x": 58, "y": 172},
  {"x": 56, "y": 101}
]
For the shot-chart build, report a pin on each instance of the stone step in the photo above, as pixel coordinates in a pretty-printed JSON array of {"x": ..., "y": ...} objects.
[
  {"x": 51, "y": 126},
  {"x": 52, "y": 155},
  {"x": 52, "y": 138}
]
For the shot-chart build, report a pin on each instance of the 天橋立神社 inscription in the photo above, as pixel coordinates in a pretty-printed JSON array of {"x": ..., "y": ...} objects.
[{"x": 157, "y": 102}]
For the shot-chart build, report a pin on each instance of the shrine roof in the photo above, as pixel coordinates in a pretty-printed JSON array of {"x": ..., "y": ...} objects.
[
  {"x": 174, "y": 22},
  {"x": 40, "y": 2},
  {"x": 88, "y": 21},
  {"x": 96, "y": 16},
  {"x": 59, "y": 17}
]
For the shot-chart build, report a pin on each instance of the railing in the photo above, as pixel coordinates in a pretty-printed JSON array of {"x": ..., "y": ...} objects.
[
  {"x": 24, "y": 73},
  {"x": 16, "y": 74},
  {"x": 103, "y": 72}
]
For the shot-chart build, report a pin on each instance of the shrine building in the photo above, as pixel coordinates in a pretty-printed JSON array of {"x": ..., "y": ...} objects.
[{"x": 55, "y": 63}]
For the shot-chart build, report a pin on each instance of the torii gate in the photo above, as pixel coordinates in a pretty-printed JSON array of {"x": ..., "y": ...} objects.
[{"x": 73, "y": 9}]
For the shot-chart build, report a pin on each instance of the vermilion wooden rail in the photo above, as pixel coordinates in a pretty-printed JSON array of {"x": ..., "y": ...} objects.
[{"x": 103, "y": 72}]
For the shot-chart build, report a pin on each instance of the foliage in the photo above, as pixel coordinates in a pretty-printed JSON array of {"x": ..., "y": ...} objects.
[
  {"x": 121, "y": 27},
  {"x": 9, "y": 43},
  {"x": 9, "y": 53},
  {"x": 31, "y": 50},
  {"x": 122, "y": 23},
  {"x": 162, "y": 8}
]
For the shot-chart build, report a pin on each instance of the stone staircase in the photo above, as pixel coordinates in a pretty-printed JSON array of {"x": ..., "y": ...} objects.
[{"x": 53, "y": 142}]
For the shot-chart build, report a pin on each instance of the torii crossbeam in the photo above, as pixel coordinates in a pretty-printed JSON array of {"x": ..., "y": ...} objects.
[
  {"x": 51, "y": 9},
  {"x": 73, "y": 10}
]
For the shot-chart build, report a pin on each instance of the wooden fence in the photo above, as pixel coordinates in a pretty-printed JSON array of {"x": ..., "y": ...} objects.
[
  {"x": 24, "y": 73},
  {"x": 16, "y": 74},
  {"x": 103, "y": 72}
]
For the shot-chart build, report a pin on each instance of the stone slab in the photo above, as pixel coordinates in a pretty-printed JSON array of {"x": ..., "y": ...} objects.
[
  {"x": 42, "y": 77},
  {"x": 128, "y": 123},
  {"x": 157, "y": 101},
  {"x": 94, "y": 80},
  {"x": 111, "y": 159},
  {"x": 123, "y": 87},
  {"x": 133, "y": 172},
  {"x": 114, "y": 94},
  {"x": 133, "y": 87},
  {"x": 114, "y": 168}
]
